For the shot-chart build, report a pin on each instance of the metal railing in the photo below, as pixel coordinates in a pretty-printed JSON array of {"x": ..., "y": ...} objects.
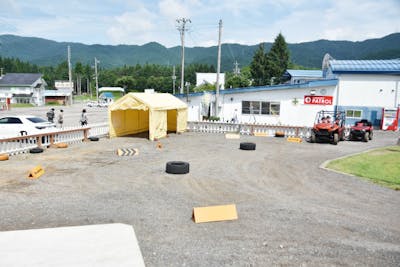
[
  {"x": 248, "y": 129},
  {"x": 22, "y": 144}
]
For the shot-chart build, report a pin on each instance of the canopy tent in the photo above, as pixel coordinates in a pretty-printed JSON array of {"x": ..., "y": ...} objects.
[{"x": 141, "y": 112}]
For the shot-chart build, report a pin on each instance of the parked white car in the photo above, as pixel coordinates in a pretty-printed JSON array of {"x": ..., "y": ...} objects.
[{"x": 13, "y": 126}]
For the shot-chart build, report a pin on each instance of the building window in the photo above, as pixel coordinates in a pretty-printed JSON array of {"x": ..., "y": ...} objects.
[
  {"x": 261, "y": 108},
  {"x": 352, "y": 113}
]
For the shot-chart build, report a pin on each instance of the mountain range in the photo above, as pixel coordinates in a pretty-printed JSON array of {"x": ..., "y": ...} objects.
[{"x": 45, "y": 52}]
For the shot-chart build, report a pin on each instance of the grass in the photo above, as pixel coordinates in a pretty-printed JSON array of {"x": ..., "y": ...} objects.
[
  {"x": 381, "y": 166},
  {"x": 21, "y": 105}
]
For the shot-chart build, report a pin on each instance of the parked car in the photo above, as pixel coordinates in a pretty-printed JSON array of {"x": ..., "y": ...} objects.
[
  {"x": 329, "y": 126},
  {"x": 362, "y": 130},
  {"x": 91, "y": 104},
  {"x": 13, "y": 126}
]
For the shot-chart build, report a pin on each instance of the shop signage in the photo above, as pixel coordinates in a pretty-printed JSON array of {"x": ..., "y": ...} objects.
[{"x": 318, "y": 100}]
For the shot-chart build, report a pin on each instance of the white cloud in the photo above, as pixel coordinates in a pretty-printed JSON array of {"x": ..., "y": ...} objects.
[
  {"x": 244, "y": 21},
  {"x": 132, "y": 27}
]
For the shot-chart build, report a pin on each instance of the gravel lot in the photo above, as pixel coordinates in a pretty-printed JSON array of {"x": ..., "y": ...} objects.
[{"x": 291, "y": 212}]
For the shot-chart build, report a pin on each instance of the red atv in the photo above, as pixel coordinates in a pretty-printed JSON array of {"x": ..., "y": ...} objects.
[
  {"x": 362, "y": 130},
  {"x": 329, "y": 126}
]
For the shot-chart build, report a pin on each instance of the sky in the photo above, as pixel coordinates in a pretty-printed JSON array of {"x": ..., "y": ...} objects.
[{"x": 249, "y": 22}]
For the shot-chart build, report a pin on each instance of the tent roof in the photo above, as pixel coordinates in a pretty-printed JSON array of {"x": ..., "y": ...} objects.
[{"x": 144, "y": 101}]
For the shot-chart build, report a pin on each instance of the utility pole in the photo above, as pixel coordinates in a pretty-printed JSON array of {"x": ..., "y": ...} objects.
[
  {"x": 187, "y": 91},
  {"x": 97, "y": 82},
  {"x": 182, "y": 28},
  {"x": 173, "y": 80},
  {"x": 218, "y": 68},
  {"x": 1, "y": 72},
  {"x": 70, "y": 73}
]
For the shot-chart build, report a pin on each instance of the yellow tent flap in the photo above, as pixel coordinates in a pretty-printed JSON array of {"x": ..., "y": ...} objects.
[{"x": 156, "y": 113}]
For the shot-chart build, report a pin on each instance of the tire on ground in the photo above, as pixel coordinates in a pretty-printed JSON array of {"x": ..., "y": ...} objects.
[
  {"x": 4, "y": 157},
  {"x": 93, "y": 138},
  {"x": 177, "y": 167},
  {"x": 36, "y": 150},
  {"x": 247, "y": 146}
]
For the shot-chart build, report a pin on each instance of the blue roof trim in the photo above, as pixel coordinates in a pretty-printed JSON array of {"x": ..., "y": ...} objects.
[{"x": 310, "y": 84}]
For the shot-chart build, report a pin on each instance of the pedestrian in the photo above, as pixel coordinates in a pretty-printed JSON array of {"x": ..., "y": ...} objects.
[
  {"x": 61, "y": 118},
  {"x": 83, "y": 119},
  {"x": 50, "y": 115},
  {"x": 235, "y": 117}
]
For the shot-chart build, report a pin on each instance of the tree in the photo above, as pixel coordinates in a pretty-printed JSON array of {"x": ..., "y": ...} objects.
[
  {"x": 204, "y": 87},
  {"x": 277, "y": 60},
  {"x": 257, "y": 66},
  {"x": 126, "y": 82}
]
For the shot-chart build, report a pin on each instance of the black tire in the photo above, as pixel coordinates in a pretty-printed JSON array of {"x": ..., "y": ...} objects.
[
  {"x": 36, "y": 150},
  {"x": 93, "y": 138},
  {"x": 371, "y": 135},
  {"x": 313, "y": 138},
  {"x": 247, "y": 146},
  {"x": 177, "y": 167},
  {"x": 335, "y": 138},
  {"x": 366, "y": 137}
]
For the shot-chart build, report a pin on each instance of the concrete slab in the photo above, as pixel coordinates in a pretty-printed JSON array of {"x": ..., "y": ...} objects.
[{"x": 92, "y": 245}]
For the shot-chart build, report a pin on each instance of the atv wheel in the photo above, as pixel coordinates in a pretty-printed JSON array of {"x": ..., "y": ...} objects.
[
  {"x": 351, "y": 138},
  {"x": 342, "y": 138},
  {"x": 335, "y": 138},
  {"x": 313, "y": 138},
  {"x": 366, "y": 137},
  {"x": 371, "y": 135}
]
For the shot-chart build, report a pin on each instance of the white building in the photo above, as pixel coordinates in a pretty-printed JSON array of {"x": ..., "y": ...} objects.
[
  {"x": 362, "y": 88},
  {"x": 211, "y": 78},
  {"x": 23, "y": 88}
]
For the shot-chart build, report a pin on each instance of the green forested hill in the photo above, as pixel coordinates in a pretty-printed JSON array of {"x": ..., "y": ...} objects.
[{"x": 309, "y": 54}]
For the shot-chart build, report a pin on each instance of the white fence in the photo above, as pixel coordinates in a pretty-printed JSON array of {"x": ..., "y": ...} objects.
[
  {"x": 248, "y": 129},
  {"x": 22, "y": 144}
]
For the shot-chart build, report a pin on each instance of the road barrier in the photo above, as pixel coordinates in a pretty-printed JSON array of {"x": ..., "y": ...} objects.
[{"x": 22, "y": 144}]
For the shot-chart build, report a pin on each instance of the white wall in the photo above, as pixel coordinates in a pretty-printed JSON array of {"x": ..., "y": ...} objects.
[
  {"x": 290, "y": 114},
  {"x": 368, "y": 90}
]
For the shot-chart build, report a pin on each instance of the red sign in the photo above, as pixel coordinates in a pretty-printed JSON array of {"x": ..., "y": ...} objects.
[{"x": 318, "y": 100}]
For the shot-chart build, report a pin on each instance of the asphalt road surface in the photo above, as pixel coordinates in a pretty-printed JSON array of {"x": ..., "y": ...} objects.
[{"x": 291, "y": 212}]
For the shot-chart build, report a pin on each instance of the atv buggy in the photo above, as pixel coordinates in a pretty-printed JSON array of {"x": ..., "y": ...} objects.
[
  {"x": 362, "y": 130},
  {"x": 329, "y": 126}
]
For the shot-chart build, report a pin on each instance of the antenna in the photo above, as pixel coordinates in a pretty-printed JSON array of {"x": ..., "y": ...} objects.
[{"x": 236, "y": 70}]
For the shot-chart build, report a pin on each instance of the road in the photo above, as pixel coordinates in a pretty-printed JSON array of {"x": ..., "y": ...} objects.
[{"x": 291, "y": 212}]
